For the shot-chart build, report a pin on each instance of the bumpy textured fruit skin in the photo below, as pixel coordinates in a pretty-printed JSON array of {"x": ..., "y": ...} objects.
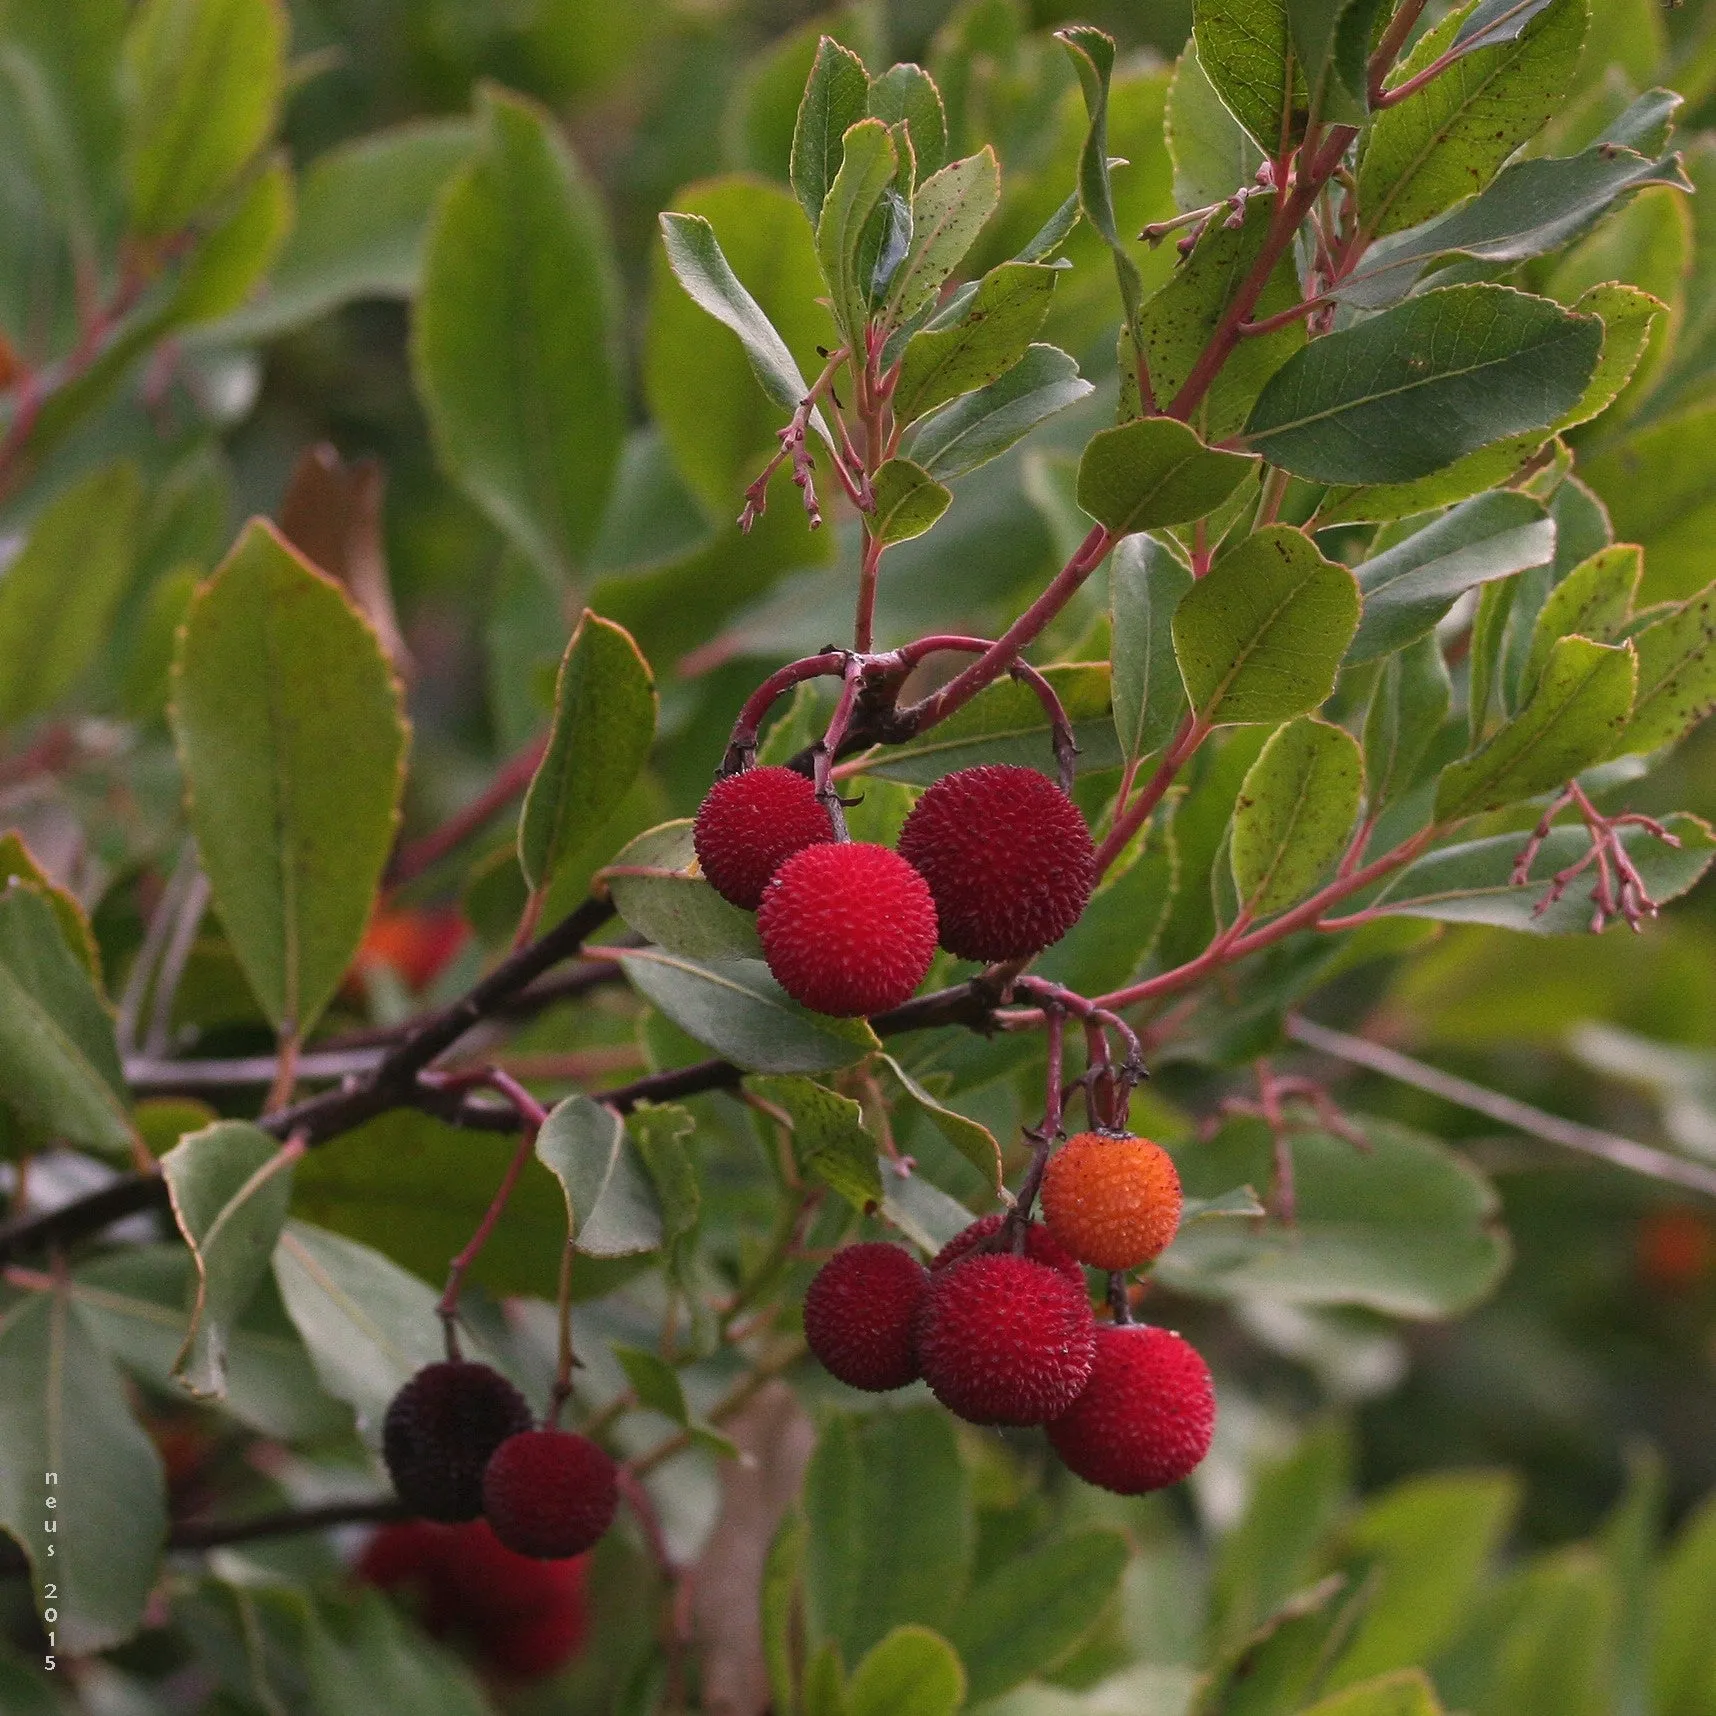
[
  {"x": 1003, "y": 1340},
  {"x": 1146, "y": 1416},
  {"x": 847, "y": 929},
  {"x": 519, "y": 1617},
  {"x": 750, "y": 824},
  {"x": 1112, "y": 1202},
  {"x": 440, "y": 1430},
  {"x": 860, "y": 1315},
  {"x": 550, "y": 1493},
  {"x": 1008, "y": 860},
  {"x": 1041, "y": 1246}
]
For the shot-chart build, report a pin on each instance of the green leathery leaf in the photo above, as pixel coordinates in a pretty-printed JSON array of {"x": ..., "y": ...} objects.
[
  {"x": 230, "y": 1186},
  {"x": 983, "y": 425},
  {"x": 1178, "y": 322},
  {"x": 16, "y": 859},
  {"x": 1629, "y": 320},
  {"x": 59, "y": 595},
  {"x": 202, "y": 81},
  {"x": 908, "y": 501},
  {"x": 1260, "y": 637},
  {"x": 659, "y": 1132},
  {"x": 250, "y": 226},
  {"x": 1473, "y": 882},
  {"x": 973, "y": 1140},
  {"x": 1212, "y": 152},
  {"x": 1410, "y": 585},
  {"x": 1145, "y": 586},
  {"x": 369, "y": 1326},
  {"x": 1428, "y": 1543},
  {"x": 949, "y": 209},
  {"x": 907, "y": 94},
  {"x": 1092, "y": 55},
  {"x": 1447, "y": 139},
  {"x": 1677, "y": 674},
  {"x": 515, "y": 345},
  {"x": 1594, "y": 600},
  {"x": 654, "y": 1381},
  {"x": 1282, "y": 1661},
  {"x": 673, "y": 906},
  {"x": 1406, "y": 1693},
  {"x": 998, "y": 325},
  {"x": 1531, "y": 208},
  {"x": 413, "y": 1189},
  {"x": 59, "y": 1064},
  {"x": 1245, "y": 49},
  {"x": 828, "y": 1137},
  {"x": 772, "y": 248},
  {"x": 133, "y": 1301},
  {"x": 1573, "y": 720},
  {"x": 738, "y": 1010},
  {"x": 1270, "y": 1554},
  {"x": 1409, "y": 1229},
  {"x": 1033, "y": 1608},
  {"x": 291, "y": 737},
  {"x": 1413, "y": 389},
  {"x": 1320, "y": 31},
  {"x": 363, "y": 214},
  {"x": 97, "y": 1527},
  {"x": 1005, "y": 723},
  {"x": 1154, "y": 472},
  {"x": 604, "y": 725},
  {"x": 1684, "y": 1666},
  {"x": 610, "y": 1209},
  {"x": 914, "y": 1671},
  {"x": 891, "y": 1529},
  {"x": 834, "y": 100},
  {"x": 1296, "y": 807},
  {"x": 1407, "y": 708},
  {"x": 867, "y": 169}
]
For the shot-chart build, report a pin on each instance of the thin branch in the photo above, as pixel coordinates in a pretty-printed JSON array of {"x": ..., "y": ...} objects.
[
  {"x": 1388, "y": 49},
  {"x": 1607, "y": 1147}
]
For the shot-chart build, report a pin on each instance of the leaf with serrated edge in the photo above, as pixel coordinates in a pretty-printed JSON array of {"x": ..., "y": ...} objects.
[
  {"x": 834, "y": 99},
  {"x": 695, "y": 257},
  {"x": 983, "y": 425},
  {"x": 1448, "y": 138},
  {"x": 292, "y": 741},
  {"x": 604, "y": 725},
  {"x": 828, "y": 1137},
  {"x": 1473, "y": 882},
  {"x": 1260, "y": 636},
  {"x": 1415, "y": 388},
  {"x": 1677, "y": 675},
  {"x": 1296, "y": 807},
  {"x": 908, "y": 501},
  {"x": 974, "y": 1141},
  {"x": 866, "y": 170},
  {"x": 948, "y": 211},
  {"x": 1593, "y": 601},
  {"x": 1155, "y": 472},
  {"x": 999, "y": 325},
  {"x": 609, "y": 1207},
  {"x": 59, "y": 1063},
  {"x": 1412, "y": 584},
  {"x": 1573, "y": 719}
]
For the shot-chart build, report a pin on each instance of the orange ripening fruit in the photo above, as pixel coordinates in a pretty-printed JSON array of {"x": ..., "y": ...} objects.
[{"x": 1113, "y": 1202}]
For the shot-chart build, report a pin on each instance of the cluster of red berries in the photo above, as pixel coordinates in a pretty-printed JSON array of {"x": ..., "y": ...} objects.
[
  {"x": 520, "y": 1617},
  {"x": 1000, "y": 1324},
  {"x": 994, "y": 863},
  {"x": 460, "y": 1443}
]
